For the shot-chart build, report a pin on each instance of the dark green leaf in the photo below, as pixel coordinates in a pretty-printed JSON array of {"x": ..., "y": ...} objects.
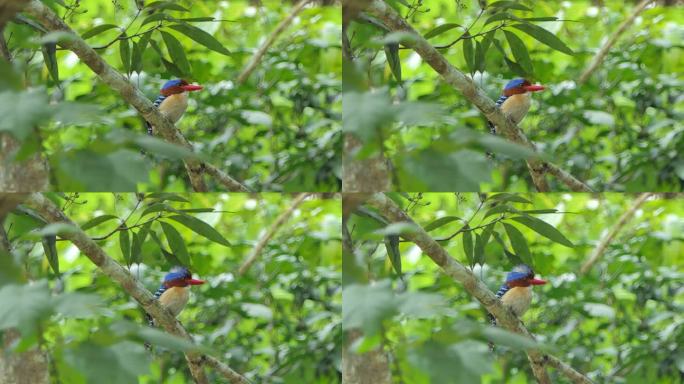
[
  {"x": 497, "y": 209},
  {"x": 125, "y": 246},
  {"x": 518, "y": 243},
  {"x": 125, "y": 52},
  {"x": 545, "y": 37},
  {"x": 201, "y": 228},
  {"x": 519, "y": 51},
  {"x": 441, "y": 29},
  {"x": 154, "y": 17},
  {"x": 176, "y": 52},
  {"x": 176, "y": 243},
  {"x": 440, "y": 222},
  {"x": 540, "y": 211},
  {"x": 166, "y": 196},
  {"x": 196, "y": 19},
  {"x": 497, "y": 17},
  {"x": 468, "y": 53},
  {"x": 468, "y": 244},
  {"x": 158, "y": 5},
  {"x": 511, "y": 197},
  {"x": 392, "y": 246},
  {"x": 97, "y": 221},
  {"x": 508, "y": 5},
  {"x": 50, "y": 56},
  {"x": 551, "y": 18},
  {"x": 515, "y": 67},
  {"x": 392, "y": 54},
  {"x": 481, "y": 243},
  {"x": 545, "y": 229},
  {"x": 50, "y": 247},
  {"x": 97, "y": 30},
  {"x": 139, "y": 239},
  {"x": 479, "y": 56},
  {"x": 201, "y": 37},
  {"x": 139, "y": 52}
]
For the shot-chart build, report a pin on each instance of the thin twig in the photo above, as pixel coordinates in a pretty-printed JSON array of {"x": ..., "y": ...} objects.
[
  {"x": 473, "y": 93},
  {"x": 452, "y": 268},
  {"x": 162, "y": 316},
  {"x": 598, "y": 59},
  {"x": 271, "y": 39},
  {"x": 256, "y": 251},
  {"x": 603, "y": 244}
]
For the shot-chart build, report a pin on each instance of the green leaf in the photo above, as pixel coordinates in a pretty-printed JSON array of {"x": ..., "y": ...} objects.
[
  {"x": 138, "y": 51},
  {"x": 120, "y": 363},
  {"x": 599, "y": 118},
  {"x": 367, "y": 306},
  {"x": 165, "y": 196},
  {"x": 392, "y": 246},
  {"x": 159, "y": 16},
  {"x": 392, "y": 54},
  {"x": 430, "y": 170},
  {"x": 497, "y": 209},
  {"x": 176, "y": 52},
  {"x": 441, "y": 29},
  {"x": 201, "y": 37},
  {"x": 22, "y": 111},
  {"x": 125, "y": 52},
  {"x": 545, "y": 229},
  {"x": 52, "y": 229},
  {"x": 50, "y": 57},
  {"x": 85, "y": 170},
  {"x": 502, "y": 337},
  {"x": 97, "y": 221},
  {"x": 139, "y": 239},
  {"x": 201, "y": 228},
  {"x": 468, "y": 244},
  {"x": 468, "y": 53},
  {"x": 509, "y": 5},
  {"x": 518, "y": 243},
  {"x": 23, "y": 306},
  {"x": 97, "y": 30},
  {"x": 519, "y": 51},
  {"x": 510, "y": 197},
  {"x": 50, "y": 248},
  {"x": 125, "y": 246},
  {"x": 549, "y": 18},
  {"x": 159, "y": 5},
  {"x": 481, "y": 242},
  {"x": 497, "y": 17},
  {"x": 545, "y": 37},
  {"x": 176, "y": 243},
  {"x": 440, "y": 222},
  {"x": 479, "y": 56}
]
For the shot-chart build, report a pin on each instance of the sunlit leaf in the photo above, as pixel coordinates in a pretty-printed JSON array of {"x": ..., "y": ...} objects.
[
  {"x": 545, "y": 37},
  {"x": 200, "y": 37},
  {"x": 176, "y": 52}
]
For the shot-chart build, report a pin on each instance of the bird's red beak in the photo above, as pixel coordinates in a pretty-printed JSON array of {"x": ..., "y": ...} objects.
[
  {"x": 194, "y": 282},
  {"x": 191, "y": 87},
  {"x": 537, "y": 282},
  {"x": 534, "y": 88}
]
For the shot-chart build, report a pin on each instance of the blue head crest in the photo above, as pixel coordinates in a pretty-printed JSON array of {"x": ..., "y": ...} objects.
[
  {"x": 177, "y": 273},
  {"x": 515, "y": 83},
  {"x": 172, "y": 83},
  {"x": 519, "y": 272}
]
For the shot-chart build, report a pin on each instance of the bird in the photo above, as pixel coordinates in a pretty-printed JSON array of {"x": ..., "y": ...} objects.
[
  {"x": 173, "y": 100},
  {"x": 173, "y": 293},
  {"x": 515, "y": 293},
  {"x": 515, "y": 100}
]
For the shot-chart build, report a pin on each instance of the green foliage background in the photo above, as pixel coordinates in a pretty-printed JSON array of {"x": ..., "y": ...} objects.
[
  {"x": 277, "y": 131},
  {"x": 278, "y": 323},
  {"x": 619, "y": 131},
  {"x": 619, "y": 323}
]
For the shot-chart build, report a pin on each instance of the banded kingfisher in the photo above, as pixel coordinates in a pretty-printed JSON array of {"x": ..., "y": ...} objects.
[
  {"x": 515, "y": 100},
  {"x": 515, "y": 293},
  {"x": 173, "y": 292},
  {"x": 173, "y": 100}
]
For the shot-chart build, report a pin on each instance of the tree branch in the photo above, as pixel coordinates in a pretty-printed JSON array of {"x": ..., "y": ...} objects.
[
  {"x": 598, "y": 59},
  {"x": 254, "y": 61},
  {"x": 52, "y": 214},
  {"x": 120, "y": 84},
  {"x": 472, "y": 285},
  {"x": 256, "y": 251},
  {"x": 603, "y": 244},
  {"x": 474, "y": 94}
]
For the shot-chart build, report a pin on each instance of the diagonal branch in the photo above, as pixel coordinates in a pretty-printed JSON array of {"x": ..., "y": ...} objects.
[
  {"x": 452, "y": 268},
  {"x": 128, "y": 92},
  {"x": 603, "y": 244},
  {"x": 474, "y": 94},
  {"x": 256, "y": 251},
  {"x": 52, "y": 214},
  {"x": 598, "y": 59},
  {"x": 254, "y": 61}
]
